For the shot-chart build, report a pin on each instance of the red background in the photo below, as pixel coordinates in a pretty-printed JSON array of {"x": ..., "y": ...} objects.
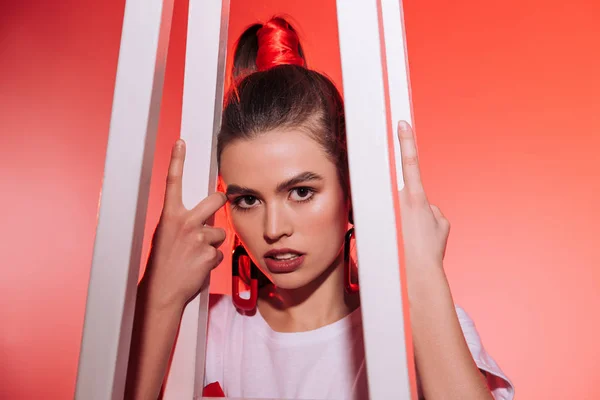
[{"x": 507, "y": 107}]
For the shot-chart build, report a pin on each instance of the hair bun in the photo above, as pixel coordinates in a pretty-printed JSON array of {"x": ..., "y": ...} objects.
[{"x": 278, "y": 44}]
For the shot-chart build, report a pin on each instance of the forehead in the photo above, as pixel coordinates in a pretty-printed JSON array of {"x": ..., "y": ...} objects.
[{"x": 272, "y": 157}]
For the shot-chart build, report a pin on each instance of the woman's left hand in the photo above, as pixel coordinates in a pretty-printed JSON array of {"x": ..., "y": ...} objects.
[
  {"x": 445, "y": 364},
  {"x": 425, "y": 230}
]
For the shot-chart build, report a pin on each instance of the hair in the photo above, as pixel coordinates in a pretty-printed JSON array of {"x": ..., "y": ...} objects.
[
  {"x": 272, "y": 88},
  {"x": 278, "y": 43}
]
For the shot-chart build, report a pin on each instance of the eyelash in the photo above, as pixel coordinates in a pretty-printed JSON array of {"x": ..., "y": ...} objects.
[{"x": 235, "y": 203}]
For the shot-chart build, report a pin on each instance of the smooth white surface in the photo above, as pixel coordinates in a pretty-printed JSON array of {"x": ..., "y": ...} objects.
[
  {"x": 122, "y": 214},
  {"x": 373, "y": 201},
  {"x": 201, "y": 117},
  {"x": 397, "y": 72}
]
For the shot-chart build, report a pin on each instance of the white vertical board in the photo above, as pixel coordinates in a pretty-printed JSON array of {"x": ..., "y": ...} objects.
[
  {"x": 390, "y": 369},
  {"x": 201, "y": 117},
  {"x": 124, "y": 198},
  {"x": 398, "y": 78}
]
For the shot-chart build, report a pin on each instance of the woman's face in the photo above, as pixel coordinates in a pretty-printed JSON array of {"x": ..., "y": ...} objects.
[{"x": 286, "y": 204}]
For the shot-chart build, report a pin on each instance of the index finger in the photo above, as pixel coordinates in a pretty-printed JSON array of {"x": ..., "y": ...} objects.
[
  {"x": 173, "y": 196},
  {"x": 204, "y": 210},
  {"x": 410, "y": 162}
]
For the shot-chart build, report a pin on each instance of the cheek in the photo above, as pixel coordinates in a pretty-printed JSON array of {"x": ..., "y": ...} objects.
[
  {"x": 243, "y": 225},
  {"x": 247, "y": 226},
  {"x": 325, "y": 216}
]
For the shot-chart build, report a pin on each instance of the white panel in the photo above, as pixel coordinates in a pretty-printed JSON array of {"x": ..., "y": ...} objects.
[
  {"x": 201, "y": 116},
  {"x": 122, "y": 214},
  {"x": 397, "y": 72},
  {"x": 389, "y": 368}
]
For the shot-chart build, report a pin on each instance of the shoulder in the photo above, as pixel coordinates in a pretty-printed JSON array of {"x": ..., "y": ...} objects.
[{"x": 500, "y": 385}]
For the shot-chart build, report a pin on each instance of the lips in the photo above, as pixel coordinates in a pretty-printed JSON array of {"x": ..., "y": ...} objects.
[
  {"x": 283, "y": 260},
  {"x": 282, "y": 253}
]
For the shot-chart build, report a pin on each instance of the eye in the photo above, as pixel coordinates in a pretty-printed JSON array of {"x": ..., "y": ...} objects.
[
  {"x": 246, "y": 202},
  {"x": 302, "y": 194}
]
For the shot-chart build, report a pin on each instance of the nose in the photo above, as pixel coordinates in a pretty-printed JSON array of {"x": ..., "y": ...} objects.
[{"x": 278, "y": 223}]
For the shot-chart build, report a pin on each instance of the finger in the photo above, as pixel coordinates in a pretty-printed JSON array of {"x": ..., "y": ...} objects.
[
  {"x": 212, "y": 256},
  {"x": 175, "y": 176},
  {"x": 436, "y": 211},
  {"x": 439, "y": 217},
  {"x": 207, "y": 207},
  {"x": 410, "y": 162},
  {"x": 220, "y": 256},
  {"x": 213, "y": 236}
]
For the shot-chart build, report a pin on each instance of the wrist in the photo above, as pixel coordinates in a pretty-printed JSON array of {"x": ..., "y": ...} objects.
[
  {"x": 153, "y": 300},
  {"x": 429, "y": 287}
]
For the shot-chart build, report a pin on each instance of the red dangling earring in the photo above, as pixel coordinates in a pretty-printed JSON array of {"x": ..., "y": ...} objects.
[
  {"x": 238, "y": 301},
  {"x": 350, "y": 286}
]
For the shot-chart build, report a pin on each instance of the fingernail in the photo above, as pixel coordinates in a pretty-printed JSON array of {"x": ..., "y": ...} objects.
[{"x": 402, "y": 125}]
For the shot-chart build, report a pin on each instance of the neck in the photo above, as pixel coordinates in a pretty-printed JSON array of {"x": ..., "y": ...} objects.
[{"x": 320, "y": 303}]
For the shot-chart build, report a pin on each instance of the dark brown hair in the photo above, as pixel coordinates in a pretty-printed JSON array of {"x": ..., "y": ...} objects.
[{"x": 272, "y": 89}]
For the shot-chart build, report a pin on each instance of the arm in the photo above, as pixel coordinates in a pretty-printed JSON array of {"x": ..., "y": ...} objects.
[
  {"x": 154, "y": 332},
  {"x": 184, "y": 251},
  {"x": 446, "y": 367},
  {"x": 445, "y": 364}
]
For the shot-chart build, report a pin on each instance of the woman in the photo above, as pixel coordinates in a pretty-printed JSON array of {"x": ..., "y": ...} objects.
[{"x": 283, "y": 167}]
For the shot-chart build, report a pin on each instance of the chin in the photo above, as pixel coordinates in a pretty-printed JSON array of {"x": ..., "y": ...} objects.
[{"x": 290, "y": 281}]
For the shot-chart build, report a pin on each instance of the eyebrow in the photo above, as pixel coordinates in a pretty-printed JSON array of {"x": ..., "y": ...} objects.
[{"x": 234, "y": 190}]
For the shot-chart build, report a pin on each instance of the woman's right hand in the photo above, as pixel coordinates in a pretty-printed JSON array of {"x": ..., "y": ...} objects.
[{"x": 184, "y": 250}]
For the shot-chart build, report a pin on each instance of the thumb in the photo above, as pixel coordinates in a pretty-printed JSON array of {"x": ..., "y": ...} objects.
[
  {"x": 439, "y": 216},
  {"x": 436, "y": 211}
]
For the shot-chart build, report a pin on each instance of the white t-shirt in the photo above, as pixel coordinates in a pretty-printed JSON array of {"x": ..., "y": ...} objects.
[{"x": 250, "y": 360}]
